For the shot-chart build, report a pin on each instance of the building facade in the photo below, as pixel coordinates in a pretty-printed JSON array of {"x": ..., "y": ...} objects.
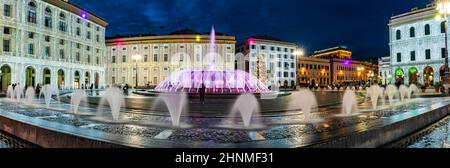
[
  {"x": 345, "y": 72},
  {"x": 339, "y": 52},
  {"x": 273, "y": 56},
  {"x": 335, "y": 66},
  {"x": 156, "y": 56},
  {"x": 417, "y": 46},
  {"x": 50, "y": 42},
  {"x": 313, "y": 71},
  {"x": 384, "y": 67}
]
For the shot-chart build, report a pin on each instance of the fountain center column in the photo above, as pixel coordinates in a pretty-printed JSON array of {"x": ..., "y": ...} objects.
[{"x": 212, "y": 51}]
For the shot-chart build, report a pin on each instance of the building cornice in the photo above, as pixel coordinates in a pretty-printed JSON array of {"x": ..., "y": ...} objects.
[
  {"x": 78, "y": 11},
  {"x": 170, "y": 39},
  {"x": 313, "y": 59},
  {"x": 413, "y": 16},
  {"x": 332, "y": 52},
  {"x": 255, "y": 40}
]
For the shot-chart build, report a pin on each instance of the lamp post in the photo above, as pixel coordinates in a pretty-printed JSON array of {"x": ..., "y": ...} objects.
[
  {"x": 443, "y": 6},
  {"x": 136, "y": 58},
  {"x": 298, "y": 52}
]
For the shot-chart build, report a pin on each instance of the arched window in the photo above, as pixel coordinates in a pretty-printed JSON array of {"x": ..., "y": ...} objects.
[
  {"x": 62, "y": 22},
  {"x": 442, "y": 27},
  {"x": 31, "y": 16},
  {"x": 398, "y": 35},
  {"x": 48, "y": 18},
  {"x": 427, "y": 29},
  {"x": 412, "y": 32}
]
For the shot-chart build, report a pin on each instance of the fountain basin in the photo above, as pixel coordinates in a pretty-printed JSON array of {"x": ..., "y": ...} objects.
[{"x": 278, "y": 131}]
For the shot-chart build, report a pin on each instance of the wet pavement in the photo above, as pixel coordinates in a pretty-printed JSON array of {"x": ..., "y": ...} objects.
[
  {"x": 434, "y": 136},
  {"x": 8, "y": 141},
  {"x": 151, "y": 129}
]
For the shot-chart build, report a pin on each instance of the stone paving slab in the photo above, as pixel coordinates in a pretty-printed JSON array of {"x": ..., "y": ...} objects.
[{"x": 8, "y": 141}]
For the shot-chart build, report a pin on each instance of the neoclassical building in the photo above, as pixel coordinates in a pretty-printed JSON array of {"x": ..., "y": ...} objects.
[
  {"x": 334, "y": 66},
  {"x": 50, "y": 42},
  {"x": 155, "y": 57},
  {"x": 277, "y": 57},
  {"x": 417, "y": 46}
]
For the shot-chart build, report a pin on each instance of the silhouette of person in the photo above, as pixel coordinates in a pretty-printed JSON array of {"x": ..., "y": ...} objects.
[
  {"x": 38, "y": 88},
  {"x": 202, "y": 93},
  {"x": 125, "y": 89}
]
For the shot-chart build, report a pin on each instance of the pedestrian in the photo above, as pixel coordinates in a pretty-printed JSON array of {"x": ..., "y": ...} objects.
[
  {"x": 125, "y": 89},
  {"x": 38, "y": 89},
  {"x": 202, "y": 93}
]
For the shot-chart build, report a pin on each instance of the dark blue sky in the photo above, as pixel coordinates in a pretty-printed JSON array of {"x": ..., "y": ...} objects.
[{"x": 313, "y": 24}]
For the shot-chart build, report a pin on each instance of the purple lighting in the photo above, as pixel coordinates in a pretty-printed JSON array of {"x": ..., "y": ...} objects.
[
  {"x": 83, "y": 15},
  {"x": 347, "y": 62},
  {"x": 216, "y": 82}
]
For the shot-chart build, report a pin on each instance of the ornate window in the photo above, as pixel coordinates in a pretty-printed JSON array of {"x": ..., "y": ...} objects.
[
  {"x": 48, "y": 18},
  {"x": 62, "y": 22},
  {"x": 31, "y": 17}
]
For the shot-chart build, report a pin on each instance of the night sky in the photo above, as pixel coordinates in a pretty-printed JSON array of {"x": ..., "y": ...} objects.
[{"x": 312, "y": 24}]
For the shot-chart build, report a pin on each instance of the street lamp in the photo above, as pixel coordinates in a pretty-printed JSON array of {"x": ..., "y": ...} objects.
[
  {"x": 298, "y": 52},
  {"x": 443, "y": 6},
  {"x": 136, "y": 58}
]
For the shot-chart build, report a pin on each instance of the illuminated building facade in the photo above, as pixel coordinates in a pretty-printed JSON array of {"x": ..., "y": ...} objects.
[
  {"x": 156, "y": 56},
  {"x": 277, "y": 56},
  {"x": 339, "y": 52},
  {"x": 353, "y": 72},
  {"x": 326, "y": 68},
  {"x": 313, "y": 71},
  {"x": 417, "y": 46},
  {"x": 50, "y": 42}
]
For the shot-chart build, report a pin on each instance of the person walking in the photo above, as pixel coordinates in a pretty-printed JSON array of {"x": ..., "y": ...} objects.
[
  {"x": 202, "y": 93},
  {"x": 38, "y": 89}
]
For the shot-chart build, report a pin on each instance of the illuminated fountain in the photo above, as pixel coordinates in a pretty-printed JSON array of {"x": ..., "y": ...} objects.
[
  {"x": 30, "y": 94},
  {"x": 247, "y": 105},
  {"x": 10, "y": 92},
  {"x": 404, "y": 92},
  {"x": 306, "y": 101},
  {"x": 48, "y": 91},
  {"x": 113, "y": 98},
  {"x": 374, "y": 93},
  {"x": 391, "y": 91},
  {"x": 78, "y": 96},
  {"x": 214, "y": 80},
  {"x": 349, "y": 103}
]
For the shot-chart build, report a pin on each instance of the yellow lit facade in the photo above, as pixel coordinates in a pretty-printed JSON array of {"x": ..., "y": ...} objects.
[
  {"x": 340, "y": 52},
  {"x": 326, "y": 69},
  {"x": 313, "y": 71}
]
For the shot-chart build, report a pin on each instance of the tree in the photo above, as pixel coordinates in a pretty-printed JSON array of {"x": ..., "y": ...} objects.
[{"x": 261, "y": 71}]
